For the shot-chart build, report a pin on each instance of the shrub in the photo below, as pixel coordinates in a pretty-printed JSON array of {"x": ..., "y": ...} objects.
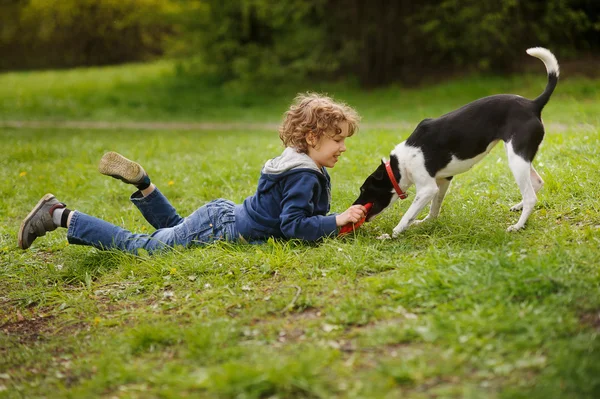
[{"x": 67, "y": 33}]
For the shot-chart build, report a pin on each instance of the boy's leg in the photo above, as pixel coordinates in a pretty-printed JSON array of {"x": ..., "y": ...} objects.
[
  {"x": 84, "y": 229},
  {"x": 153, "y": 205},
  {"x": 156, "y": 208},
  {"x": 212, "y": 222},
  {"x": 49, "y": 213}
]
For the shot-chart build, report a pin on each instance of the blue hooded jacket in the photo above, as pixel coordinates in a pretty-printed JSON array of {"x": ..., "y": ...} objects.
[{"x": 292, "y": 201}]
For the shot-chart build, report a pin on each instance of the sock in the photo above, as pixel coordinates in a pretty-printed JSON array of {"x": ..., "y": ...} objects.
[
  {"x": 144, "y": 184},
  {"x": 60, "y": 216}
]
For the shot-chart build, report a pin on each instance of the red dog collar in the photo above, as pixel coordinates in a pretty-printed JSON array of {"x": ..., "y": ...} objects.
[{"x": 399, "y": 191}]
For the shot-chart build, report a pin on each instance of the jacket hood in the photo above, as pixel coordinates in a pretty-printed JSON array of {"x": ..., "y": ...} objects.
[{"x": 288, "y": 160}]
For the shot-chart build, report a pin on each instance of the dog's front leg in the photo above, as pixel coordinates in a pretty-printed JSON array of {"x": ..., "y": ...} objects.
[
  {"x": 423, "y": 196},
  {"x": 436, "y": 204}
]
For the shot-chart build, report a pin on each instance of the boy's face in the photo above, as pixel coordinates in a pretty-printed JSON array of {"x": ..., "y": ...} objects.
[{"x": 328, "y": 149}]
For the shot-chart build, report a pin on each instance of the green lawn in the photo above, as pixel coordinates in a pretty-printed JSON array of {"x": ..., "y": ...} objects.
[
  {"x": 154, "y": 92},
  {"x": 455, "y": 308}
]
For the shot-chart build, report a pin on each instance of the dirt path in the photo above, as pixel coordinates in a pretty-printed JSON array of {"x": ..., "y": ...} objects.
[
  {"x": 551, "y": 127},
  {"x": 169, "y": 125}
]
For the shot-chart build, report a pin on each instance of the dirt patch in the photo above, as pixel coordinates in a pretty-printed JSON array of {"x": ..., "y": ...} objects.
[
  {"x": 309, "y": 313},
  {"x": 592, "y": 319},
  {"x": 28, "y": 330},
  {"x": 33, "y": 325}
]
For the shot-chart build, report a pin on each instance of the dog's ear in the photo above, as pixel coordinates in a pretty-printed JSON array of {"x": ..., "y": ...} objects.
[{"x": 380, "y": 173}]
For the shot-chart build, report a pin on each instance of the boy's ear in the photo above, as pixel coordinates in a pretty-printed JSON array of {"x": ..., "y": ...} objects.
[{"x": 311, "y": 139}]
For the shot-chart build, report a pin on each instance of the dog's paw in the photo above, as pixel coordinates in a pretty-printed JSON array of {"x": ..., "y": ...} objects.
[
  {"x": 398, "y": 230},
  {"x": 417, "y": 221},
  {"x": 517, "y": 207},
  {"x": 396, "y": 234},
  {"x": 514, "y": 227},
  {"x": 384, "y": 236}
]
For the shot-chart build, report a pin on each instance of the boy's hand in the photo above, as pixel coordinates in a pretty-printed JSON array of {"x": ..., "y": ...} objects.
[
  {"x": 355, "y": 211},
  {"x": 352, "y": 215}
]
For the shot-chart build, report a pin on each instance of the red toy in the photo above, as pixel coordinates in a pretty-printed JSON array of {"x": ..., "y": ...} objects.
[{"x": 350, "y": 227}]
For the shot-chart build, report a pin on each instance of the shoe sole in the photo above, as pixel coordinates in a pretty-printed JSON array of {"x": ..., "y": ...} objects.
[
  {"x": 46, "y": 198},
  {"x": 117, "y": 166}
]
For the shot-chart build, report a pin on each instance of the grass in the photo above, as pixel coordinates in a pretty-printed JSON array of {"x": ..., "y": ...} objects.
[
  {"x": 455, "y": 308},
  {"x": 154, "y": 92}
]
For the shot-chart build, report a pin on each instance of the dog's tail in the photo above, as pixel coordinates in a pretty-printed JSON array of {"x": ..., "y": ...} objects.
[{"x": 552, "y": 67}]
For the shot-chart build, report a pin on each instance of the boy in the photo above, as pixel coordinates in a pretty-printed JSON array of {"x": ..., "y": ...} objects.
[{"x": 292, "y": 199}]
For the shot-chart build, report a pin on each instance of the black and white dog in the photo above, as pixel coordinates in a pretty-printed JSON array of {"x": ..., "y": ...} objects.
[{"x": 443, "y": 147}]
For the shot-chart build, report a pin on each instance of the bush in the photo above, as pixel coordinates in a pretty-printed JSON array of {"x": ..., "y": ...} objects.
[
  {"x": 408, "y": 41},
  {"x": 67, "y": 33},
  {"x": 380, "y": 42},
  {"x": 260, "y": 40}
]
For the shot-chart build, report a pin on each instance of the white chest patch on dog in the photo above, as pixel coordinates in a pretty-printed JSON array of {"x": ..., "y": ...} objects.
[{"x": 457, "y": 166}]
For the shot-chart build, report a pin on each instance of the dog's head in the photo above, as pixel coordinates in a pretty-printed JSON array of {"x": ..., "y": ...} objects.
[{"x": 378, "y": 190}]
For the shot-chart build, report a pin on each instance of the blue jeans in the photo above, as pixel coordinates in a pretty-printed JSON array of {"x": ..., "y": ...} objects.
[{"x": 212, "y": 222}]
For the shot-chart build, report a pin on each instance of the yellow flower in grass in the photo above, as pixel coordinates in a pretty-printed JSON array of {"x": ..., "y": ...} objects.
[
  {"x": 171, "y": 182},
  {"x": 173, "y": 270},
  {"x": 96, "y": 320},
  {"x": 22, "y": 174}
]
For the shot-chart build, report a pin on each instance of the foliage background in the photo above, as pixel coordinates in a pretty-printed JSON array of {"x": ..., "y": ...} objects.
[{"x": 270, "y": 42}]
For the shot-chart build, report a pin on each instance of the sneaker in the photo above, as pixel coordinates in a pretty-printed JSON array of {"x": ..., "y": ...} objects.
[
  {"x": 116, "y": 165},
  {"x": 39, "y": 221}
]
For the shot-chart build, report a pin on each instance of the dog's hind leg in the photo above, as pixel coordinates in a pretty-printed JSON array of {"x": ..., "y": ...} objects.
[
  {"x": 537, "y": 183},
  {"x": 436, "y": 204},
  {"x": 522, "y": 171}
]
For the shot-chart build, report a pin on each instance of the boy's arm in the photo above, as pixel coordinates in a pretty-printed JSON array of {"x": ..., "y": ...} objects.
[{"x": 298, "y": 219}]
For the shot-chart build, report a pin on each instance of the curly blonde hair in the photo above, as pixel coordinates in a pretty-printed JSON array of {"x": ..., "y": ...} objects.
[{"x": 315, "y": 114}]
